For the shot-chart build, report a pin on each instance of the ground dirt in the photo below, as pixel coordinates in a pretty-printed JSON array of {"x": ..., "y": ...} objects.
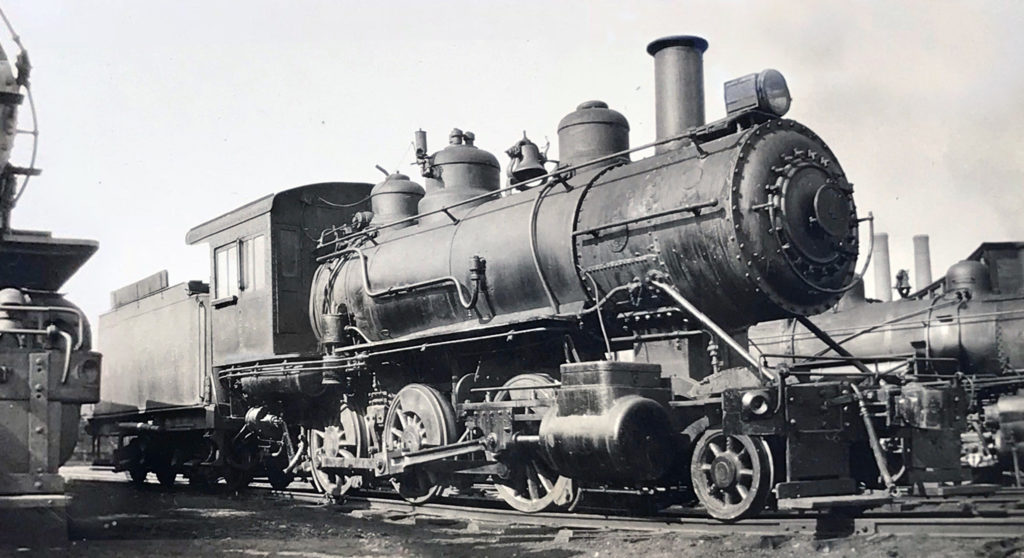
[{"x": 117, "y": 520}]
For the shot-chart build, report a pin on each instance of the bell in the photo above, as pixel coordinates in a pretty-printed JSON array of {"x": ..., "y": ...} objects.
[
  {"x": 903, "y": 283},
  {"x": 527, "y": 163}
]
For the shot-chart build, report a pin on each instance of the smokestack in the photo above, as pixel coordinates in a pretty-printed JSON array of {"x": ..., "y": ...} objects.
[
  {"x": 883, "y": 277},
  {"x": 678, "y": 86},
  {"x": 922, "y": 262}
]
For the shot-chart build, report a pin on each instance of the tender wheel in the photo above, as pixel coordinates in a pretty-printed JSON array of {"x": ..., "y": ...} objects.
[
  {"x": 418, "y": 418},
  {"x": 166, "y": 476},
  {"x": 200, "y": 481},
  {"x": 532, "y": 485},
  {"x": 163, "y": 465},
  {"x": 732, "y": 475},
  {"x": 342, "y": 435},
  {"x": 137, "y": 475},
  {"x": 132, "y": 458}
]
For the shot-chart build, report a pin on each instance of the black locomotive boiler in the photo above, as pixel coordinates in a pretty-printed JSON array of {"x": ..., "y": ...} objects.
[{"x": 581, "y": 329}]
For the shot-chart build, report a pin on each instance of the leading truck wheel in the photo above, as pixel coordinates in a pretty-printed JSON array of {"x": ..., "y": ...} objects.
[
  {"x": 531, "y": 485},
  {"x": 418, "y": 418},
  {"x": 731, "y": 474}
]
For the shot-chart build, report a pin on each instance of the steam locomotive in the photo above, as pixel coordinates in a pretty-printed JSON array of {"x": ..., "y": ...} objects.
[
  {"x": 47, "y": 367},
  {"x": 970, "y": 322},
  {"x": 581, "y": 329}
]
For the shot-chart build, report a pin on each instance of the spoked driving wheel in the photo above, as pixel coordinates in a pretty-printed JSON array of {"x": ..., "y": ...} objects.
[
  {"x": 342, "y": 435},
  {"x": 419, "y": 418},
  {"x": 732, "y": 474},
  {"x": 532, "y": 485}
]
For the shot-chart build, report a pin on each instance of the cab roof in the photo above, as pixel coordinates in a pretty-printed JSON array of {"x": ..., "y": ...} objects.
[{"x": 309, "y": 193}]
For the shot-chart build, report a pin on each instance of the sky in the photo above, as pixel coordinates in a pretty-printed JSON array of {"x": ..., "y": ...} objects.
[{"x": 156, "y": 116}]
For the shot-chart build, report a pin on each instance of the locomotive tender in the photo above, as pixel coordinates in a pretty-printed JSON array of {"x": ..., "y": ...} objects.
[{"x": 461, "y": 332}]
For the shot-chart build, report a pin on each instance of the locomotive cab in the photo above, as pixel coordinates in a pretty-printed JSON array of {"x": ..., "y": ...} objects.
[
  {"x": 167, "y": 408},
  {"x": 259, "y": 269}
]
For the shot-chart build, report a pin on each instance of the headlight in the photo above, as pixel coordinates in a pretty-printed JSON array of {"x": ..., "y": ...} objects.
[{"x": 766, "y": 91}]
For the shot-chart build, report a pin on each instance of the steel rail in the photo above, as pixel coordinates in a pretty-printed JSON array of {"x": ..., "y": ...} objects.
[
  {"x": 772, "y": 524},
  {"x": 935, "y": 523}
]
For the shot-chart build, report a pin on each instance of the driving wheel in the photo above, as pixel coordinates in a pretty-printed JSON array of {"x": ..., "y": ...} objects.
[
  {"x": 342, "y": 435},
  {"x": 531, "y": 485},
  {"x": 732, "y": 474},
  {"x": 418, "y": 418}
]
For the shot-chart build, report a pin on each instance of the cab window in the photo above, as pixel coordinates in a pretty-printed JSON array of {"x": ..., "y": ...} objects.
[
  {"x": 253, "y": 263},
  {"x": 246, "y": 257},
  {"x": 226, "y": 272}
]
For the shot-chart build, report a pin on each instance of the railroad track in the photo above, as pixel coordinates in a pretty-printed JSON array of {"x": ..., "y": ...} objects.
[{"x": 990, "y": 516}]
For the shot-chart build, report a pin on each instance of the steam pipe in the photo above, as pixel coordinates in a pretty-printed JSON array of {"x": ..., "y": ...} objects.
[
  {"x": 678, "y": 86},
  {"x": 876, "y": 446},
  {"x": 679, "y": 299},
  {"x": 476, "y": 272}
]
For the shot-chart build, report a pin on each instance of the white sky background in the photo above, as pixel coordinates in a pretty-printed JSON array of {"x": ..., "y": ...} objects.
[{"x": 156, "y": 116}]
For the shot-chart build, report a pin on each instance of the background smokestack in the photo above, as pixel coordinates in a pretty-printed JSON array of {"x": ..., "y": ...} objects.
[
  {"x": 883, "y": 278},
  {"x": 678, "y": 85},
  {"x": 922, "y": 262}
]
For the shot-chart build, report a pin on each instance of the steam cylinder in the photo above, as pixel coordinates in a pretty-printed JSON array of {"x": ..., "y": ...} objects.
[{"x": 632, "y": 440}]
